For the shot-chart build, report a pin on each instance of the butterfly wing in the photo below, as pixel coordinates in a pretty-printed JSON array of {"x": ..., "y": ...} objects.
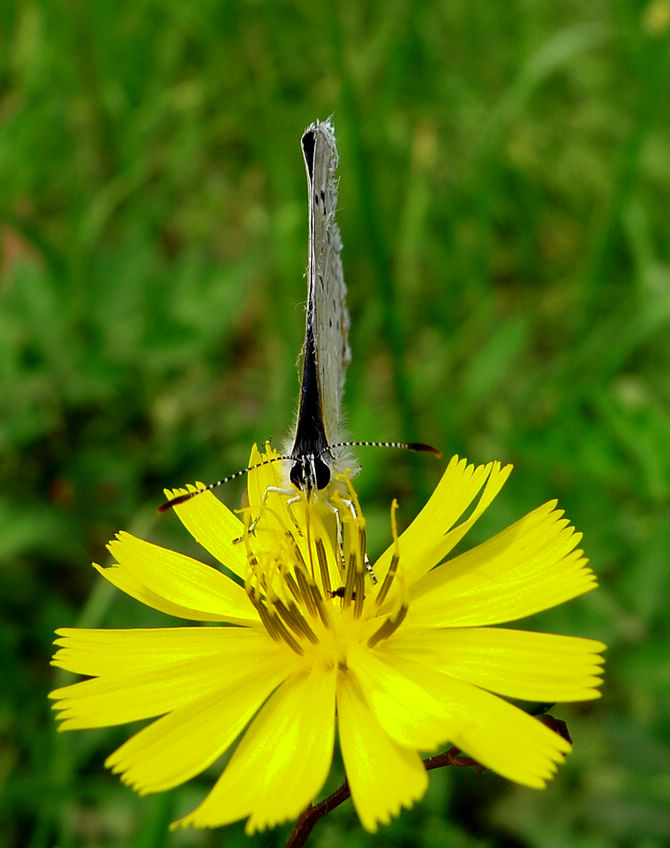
[
  {"x": 325, "y": 354},
  {"x": 327, "y": 314}
]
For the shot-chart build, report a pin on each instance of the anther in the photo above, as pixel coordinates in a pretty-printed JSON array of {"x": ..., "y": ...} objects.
[
  {"x": 388, "y": 580},
  {"x": 294, "y": 619},
  {"x": 388, "y": 627},
  {"x": 323, "y": 567}
]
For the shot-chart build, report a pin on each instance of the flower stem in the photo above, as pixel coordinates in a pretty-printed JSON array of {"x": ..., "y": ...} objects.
[{"x": 312, "y": 813}]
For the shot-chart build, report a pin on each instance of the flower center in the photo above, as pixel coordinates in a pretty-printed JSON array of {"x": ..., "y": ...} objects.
[
  {"x": 306, "y": 567},
  {"x": 309, "y": 577}
]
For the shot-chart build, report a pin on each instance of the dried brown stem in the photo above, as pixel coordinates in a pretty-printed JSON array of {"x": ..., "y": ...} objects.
[{"x": 311, "y": 814}]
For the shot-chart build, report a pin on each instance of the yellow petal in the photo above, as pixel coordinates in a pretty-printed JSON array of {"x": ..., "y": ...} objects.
[
  {"x": 267, "y": 476},
  {"x": 183, "y": 743},
  {"x": 282, "y": 760},
  {"x": 383, "y": 776},
  {"x": 502, "y": 737},
  {"x": 145, "y": 693},
  {"x": 398, "y": 692},
  {"x": 181, "y": 581},
  {"x": 514, "y": 663},
  {"x": 529, "y": 567},
  {"x": 125, "y": 582},
  {"x": 213, "y": 526},
  {"x": 432, "y": 534},
  {"x": 99, "y": 652}
]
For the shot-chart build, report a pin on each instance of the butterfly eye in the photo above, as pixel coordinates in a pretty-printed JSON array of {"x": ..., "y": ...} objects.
[
  {"x": 297, "y": 475},
  {"x": 321, "y": 473},
  {"x": 310, "y": 472}
]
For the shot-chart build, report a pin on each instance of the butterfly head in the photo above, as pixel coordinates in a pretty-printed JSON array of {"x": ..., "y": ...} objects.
[{"x": 310, "y": 472}]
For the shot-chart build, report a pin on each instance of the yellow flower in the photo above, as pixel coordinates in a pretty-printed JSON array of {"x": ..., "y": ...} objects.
[{"x": 311, "y": 643}]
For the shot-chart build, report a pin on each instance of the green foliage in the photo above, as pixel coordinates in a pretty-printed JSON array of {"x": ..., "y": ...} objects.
[{"x": 505, "y": 170}]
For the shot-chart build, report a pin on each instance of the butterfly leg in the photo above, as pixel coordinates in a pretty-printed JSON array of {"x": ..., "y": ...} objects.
[
  {"x": 278, "y": 490},
  {"x": 340, "y": 535}
]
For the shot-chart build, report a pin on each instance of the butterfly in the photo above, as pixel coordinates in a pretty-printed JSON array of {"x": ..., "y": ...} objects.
[
  {"x": 317, "y": 449},
  {"x": 317, "y": 445}
]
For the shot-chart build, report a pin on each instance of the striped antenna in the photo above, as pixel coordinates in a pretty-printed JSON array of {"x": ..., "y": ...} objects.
[
  {"x": 180, "y": 499},
  {"x": 415, "y": 447}
]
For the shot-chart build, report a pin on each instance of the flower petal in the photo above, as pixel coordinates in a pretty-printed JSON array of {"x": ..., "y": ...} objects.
[
  {"x": 399, "y": 692},
  {"x": 100, "y": 652},
  {"x": 514, "y": 663},
  {"x": 199, "y": 591},
  {"x": 383, "y": 776},
  {"x": 502, "y": 737},
  {"x": 267, "y": 476},
  {"x": 432, "y": 534},
  {"x": 183, "y": 743},
  {"x": 529, "y": 567},
  {"x": 125, "y": 582},
  {"x": 282, "y": 760},
  {"x": 213, "y": 526},
  {"x": 147, "y": 692}
]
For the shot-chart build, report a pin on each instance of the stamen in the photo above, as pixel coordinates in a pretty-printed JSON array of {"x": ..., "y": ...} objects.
[
  {"x": 322, "y": 609},
  {"x": 362, "y": 542},
  {"x": 267, "y": 612},
  {"x": 293, "y": 587},
  {"x": 304, "y": 590},
  {"x": 286, "y": 636},
  {"x": 354, "y": 508},
  {"x": 359, "y": 595},
  {"x": 389, "y": 626},
  {"x": 323, "y": 567},
  {"x": 293, "y": 570},
  {"x": 295, "y": 620},
  {"x": 276, "y": 627},
  {"x": 353, "y": 497},
  {"x": 401, "y": 600},
  {"x": 266, "y": 619},
  {"x": 395, "y": 559},
  {"x": 351, "y": 584},
  {"x": 359, "y": 557},
  {"x": 308, "y": 592},
  {"x": 388, "y": 580},
  {"x": 301, "y": 565}
]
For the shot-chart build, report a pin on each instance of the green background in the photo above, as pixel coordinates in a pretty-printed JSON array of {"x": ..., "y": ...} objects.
[{"x": 505, "y": 174}]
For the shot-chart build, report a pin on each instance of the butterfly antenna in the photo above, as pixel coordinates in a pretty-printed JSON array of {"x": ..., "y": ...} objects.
[
  {"x": 180, "y": 499},
  {"x": 416, "y": 447}
]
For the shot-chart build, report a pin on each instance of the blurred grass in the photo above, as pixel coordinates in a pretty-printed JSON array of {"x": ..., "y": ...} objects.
[{"x": 505, "y": 170}]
